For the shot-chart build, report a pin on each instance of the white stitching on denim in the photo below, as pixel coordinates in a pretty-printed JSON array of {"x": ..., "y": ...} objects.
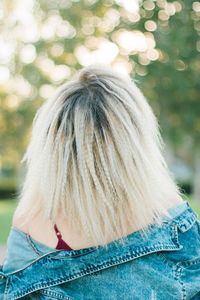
[
  {"x": 6, "y": 288},
  {"x": 191, "y": 262},
  {"x": 174, "y": 235},
  {"x": 84, "y": 272},
  {"x": 181, "y": 282},
  {"x": 104, "y": 265},
  {"x": 178, "y": 273},
  {"x": 55, "y": 295}
]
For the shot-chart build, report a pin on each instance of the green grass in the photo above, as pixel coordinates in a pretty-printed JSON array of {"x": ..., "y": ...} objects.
[{"x": 7, "y": 208}]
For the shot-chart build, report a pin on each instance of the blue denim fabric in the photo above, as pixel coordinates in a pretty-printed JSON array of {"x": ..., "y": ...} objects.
[{"x": 164, "y": 265}]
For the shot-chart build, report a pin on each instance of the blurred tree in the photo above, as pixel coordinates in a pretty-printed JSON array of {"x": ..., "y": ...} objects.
[
  {"x": 157, "y": 42},
  {"x": 173, "y": 78}
]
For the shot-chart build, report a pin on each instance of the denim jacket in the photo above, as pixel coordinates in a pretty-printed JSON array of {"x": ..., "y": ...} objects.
[{"x": 164, "y": 265}]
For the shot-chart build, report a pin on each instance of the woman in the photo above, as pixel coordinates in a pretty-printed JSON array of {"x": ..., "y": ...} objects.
[{"x": 99, "y": 214}]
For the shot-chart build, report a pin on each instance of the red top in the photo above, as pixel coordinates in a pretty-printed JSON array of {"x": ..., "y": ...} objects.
[{"x": 61, "y": 245}]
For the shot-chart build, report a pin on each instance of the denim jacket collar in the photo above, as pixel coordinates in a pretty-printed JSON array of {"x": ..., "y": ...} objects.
[{"x": 70, "y": 265}]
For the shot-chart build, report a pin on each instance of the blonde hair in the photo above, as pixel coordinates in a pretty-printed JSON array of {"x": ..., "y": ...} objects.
[{"x": 96, "y": 156}]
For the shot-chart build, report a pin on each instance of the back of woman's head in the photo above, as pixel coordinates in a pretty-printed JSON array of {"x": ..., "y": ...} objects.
[{"x": 95, "y": 156}]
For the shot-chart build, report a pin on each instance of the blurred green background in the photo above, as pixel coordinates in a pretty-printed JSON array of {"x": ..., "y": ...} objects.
[{"x": 43, "y": 43}]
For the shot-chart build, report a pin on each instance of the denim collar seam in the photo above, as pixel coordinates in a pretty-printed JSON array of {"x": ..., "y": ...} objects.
[
  {"x": 61, "y": 254},
  {"x": 93, "y": 268},
  {"x": 189, "y": 215},
  {"x": 185, "y": 221}
]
